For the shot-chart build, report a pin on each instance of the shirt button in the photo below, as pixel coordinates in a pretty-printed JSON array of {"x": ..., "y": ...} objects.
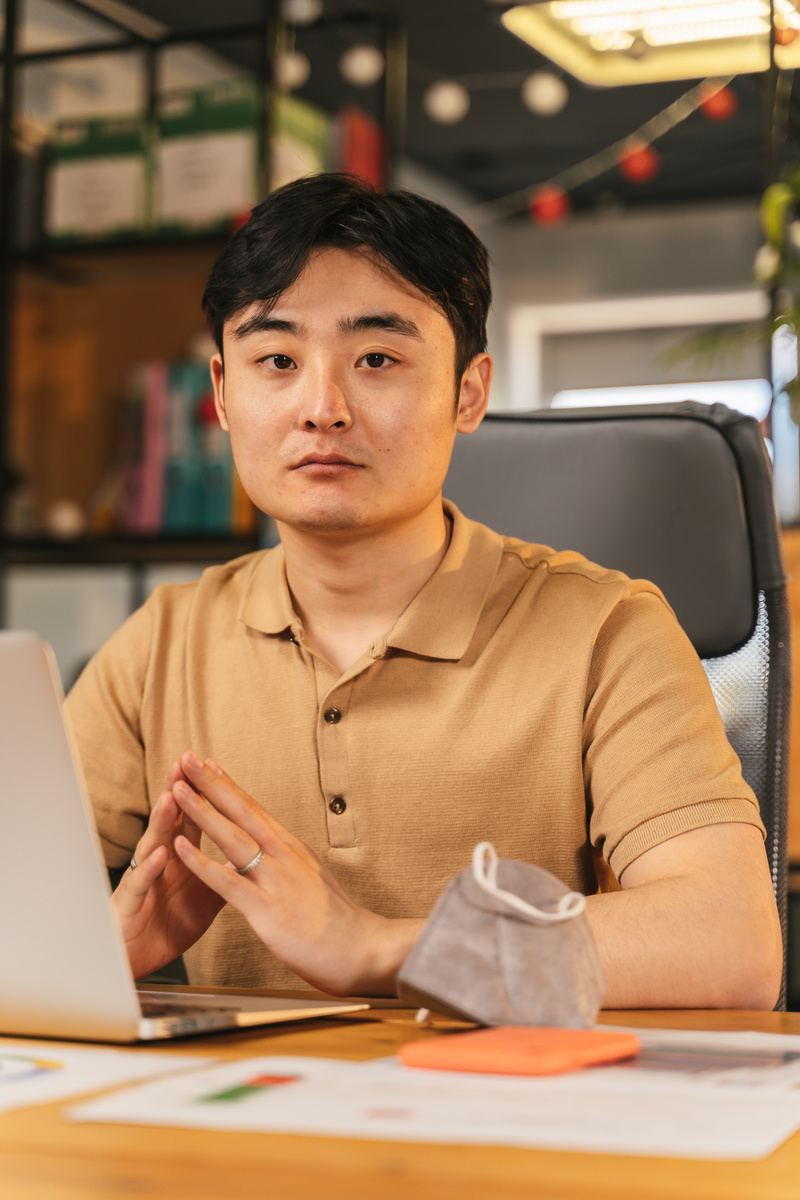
[
  {"x": 333, "y": 716},
  {"x": 337, "y": 805}
]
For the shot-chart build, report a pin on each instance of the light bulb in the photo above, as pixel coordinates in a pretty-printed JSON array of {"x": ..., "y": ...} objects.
[
  {"x": 362, "y": 65},
  {"x": 301, "y": 12},
  {"x": 292, "y": 69},
  {"x": 446, "y": 102},
  {"x": 544, "y": 93}
]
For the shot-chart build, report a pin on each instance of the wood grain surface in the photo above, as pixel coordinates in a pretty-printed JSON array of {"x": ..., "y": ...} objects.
[{"x": 43, "y": 1157}]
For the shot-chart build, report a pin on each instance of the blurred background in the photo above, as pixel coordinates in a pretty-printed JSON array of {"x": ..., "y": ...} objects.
[{"x": 632, "y": 165}]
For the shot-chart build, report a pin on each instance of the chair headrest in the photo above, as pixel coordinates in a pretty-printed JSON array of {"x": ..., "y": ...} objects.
[{"x": 678, "y": 494}]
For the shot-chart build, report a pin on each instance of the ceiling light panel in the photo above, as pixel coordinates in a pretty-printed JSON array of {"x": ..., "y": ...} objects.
[{"x": 612, "y": 42}]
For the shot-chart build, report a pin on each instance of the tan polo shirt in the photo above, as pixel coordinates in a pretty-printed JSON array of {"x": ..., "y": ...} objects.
[{"x": 525, "y": 697}]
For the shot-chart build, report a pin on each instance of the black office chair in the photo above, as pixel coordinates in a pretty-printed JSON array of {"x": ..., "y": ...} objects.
[{"x": 680, "y": 494}]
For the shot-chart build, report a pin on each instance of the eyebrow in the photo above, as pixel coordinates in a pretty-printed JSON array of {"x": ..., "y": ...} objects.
[
  {"x": 266, "y": 324},
  {"x": 390, "y": 321}
]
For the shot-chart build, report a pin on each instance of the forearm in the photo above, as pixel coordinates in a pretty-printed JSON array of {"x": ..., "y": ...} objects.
[
  {"x": 385, "y": 949},
  {"x": 683, "y": 943}
]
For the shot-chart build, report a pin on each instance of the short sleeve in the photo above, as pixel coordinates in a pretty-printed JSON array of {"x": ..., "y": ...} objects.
[
  {"x": 657, "y": 762},
  {"x": 104, "y": 711}
]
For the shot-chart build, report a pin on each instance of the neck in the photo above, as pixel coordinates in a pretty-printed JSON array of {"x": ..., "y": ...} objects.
[{"x": 349, "y": 588}]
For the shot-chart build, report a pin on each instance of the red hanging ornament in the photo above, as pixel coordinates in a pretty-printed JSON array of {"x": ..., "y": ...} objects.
[
  {"x": 720, "y": 105},
  {"x": 238, "y": 220},
  {"x": 785, "y": 37},
  {"x": 638, "y": 161},
  {"x": 549, "y": 205}
]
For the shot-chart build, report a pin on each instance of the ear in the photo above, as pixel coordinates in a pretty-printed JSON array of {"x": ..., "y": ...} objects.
[
  {"x": 474, "y": 393},
  {"x": 217, "y": 369}
]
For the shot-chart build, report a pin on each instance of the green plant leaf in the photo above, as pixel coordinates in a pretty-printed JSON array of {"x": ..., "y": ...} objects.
[{"x": 776, "y": 204}]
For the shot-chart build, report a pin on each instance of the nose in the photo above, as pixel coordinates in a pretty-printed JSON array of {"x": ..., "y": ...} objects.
[{"x": 324, "y": 406}]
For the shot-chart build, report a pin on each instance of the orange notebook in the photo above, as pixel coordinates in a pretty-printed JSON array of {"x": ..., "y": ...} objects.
[{"x": 520, "y": 1050}]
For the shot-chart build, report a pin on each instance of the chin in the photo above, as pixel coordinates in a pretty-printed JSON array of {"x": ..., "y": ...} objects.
[{"x": 320, "y": 521}]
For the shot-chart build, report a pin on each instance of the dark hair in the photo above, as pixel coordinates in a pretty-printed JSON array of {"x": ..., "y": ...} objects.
[{"x": 424, "y": 243}]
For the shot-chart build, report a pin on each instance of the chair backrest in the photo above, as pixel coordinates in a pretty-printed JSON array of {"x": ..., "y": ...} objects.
[{"x": 680, "y": 494}]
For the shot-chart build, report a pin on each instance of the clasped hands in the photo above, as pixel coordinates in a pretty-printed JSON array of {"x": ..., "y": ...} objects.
[{"x": 290, "y": 899}]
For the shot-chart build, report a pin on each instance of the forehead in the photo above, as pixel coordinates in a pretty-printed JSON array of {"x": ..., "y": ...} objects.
[{"x": 337, "y": 283}]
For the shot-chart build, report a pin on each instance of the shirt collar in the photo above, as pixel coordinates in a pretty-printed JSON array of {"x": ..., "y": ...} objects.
[
  {"x": 267, "y": 601},
  {"x": 441, "y": 619},
  {"x": 439, "y": 622}
]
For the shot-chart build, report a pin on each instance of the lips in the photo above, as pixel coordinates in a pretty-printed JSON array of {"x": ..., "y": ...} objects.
[
  {"x": 325, "y": 460},
  {"x": 325, "y": 464}
]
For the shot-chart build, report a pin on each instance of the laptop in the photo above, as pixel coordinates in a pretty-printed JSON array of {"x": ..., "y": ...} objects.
[{"x": 64, "y": 972}]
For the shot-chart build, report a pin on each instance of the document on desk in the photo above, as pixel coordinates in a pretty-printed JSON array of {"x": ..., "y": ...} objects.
[
  {"x": 38, "y": 1072},
  {"x": 688, "y": 1096}
]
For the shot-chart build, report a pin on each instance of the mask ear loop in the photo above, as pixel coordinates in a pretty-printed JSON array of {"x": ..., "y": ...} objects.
[{"x": 569, "y": 906}]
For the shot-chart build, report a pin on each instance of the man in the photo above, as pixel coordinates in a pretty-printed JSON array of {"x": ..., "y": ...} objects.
[{"x": 396, "y": 683}]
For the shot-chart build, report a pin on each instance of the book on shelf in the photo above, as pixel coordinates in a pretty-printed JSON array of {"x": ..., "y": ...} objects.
[{"x": 177, "y": 470}]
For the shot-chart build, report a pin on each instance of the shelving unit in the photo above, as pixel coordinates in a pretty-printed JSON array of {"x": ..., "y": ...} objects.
[{"x": 143, "y": 295}]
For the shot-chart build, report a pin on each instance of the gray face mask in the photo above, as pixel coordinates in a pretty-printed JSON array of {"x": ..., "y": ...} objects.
[{"x": 506, "y": 944}]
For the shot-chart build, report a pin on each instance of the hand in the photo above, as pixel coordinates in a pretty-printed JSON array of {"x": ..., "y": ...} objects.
[
  {"x": 290, "y": 899},
  {"x": 163, "y": 908}
]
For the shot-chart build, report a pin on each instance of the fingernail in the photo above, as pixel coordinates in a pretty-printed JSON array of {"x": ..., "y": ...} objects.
[
  {"x": 183, "y": 789},
  {"x": 193, "y": 760}
]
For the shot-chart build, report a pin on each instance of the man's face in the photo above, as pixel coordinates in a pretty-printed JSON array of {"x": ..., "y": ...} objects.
[{"x": 340, "y": 402}]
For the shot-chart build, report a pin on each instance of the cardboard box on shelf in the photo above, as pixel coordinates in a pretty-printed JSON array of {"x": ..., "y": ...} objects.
[
  {"x": 207, "y": 159},
  {"x": 97, "y": 180}
]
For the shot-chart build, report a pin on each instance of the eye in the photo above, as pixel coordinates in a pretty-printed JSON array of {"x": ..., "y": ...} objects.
[
  {"x": 376, "y": 360},
  {"x": 281, "y": 362}
]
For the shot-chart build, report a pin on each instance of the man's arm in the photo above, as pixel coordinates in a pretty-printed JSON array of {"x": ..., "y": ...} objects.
[
  {"x": 290, "y": 899},
  {"x": 695, "y": 926}
]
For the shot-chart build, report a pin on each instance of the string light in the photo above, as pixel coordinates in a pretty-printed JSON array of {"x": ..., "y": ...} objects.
[
  {"x": 597, "y": 164},
  {"x": 720, "y": 105},
  {"x": 638, "y": 161},
  {"x": 292, "y": 70},
  {"x": 544, "y": 93},
  {"x": 301, "y": 12},
  {"x": 446, "y": 102},
  {"x": 549, "y": 205},
  {"x": 362, "y": 65}
]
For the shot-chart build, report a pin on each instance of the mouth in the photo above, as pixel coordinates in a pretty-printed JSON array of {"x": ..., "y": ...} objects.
[{"x": 326, "y": 464}]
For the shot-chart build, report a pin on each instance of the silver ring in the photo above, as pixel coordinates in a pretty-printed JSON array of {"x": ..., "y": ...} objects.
[
  {"x": 251, "y": 866},
  {"x": 134, "y": 863}
]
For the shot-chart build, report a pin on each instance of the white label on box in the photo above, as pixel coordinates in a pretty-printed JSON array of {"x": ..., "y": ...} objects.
[
  {"x": 206, "y": 178},
  {"x": 96, "y": 196}
]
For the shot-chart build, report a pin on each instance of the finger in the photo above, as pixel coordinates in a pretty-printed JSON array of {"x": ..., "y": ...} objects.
[
  {"x": 238, "y": 890},
  {"x": 189, "y": 828},
  {"x": 233, "y": 802},
  {"x": 160, "y": 828},
  {"x": 175, "y": 773},
  {"x": 235, "y": 843},
  {"x": 135, "y": 884}
]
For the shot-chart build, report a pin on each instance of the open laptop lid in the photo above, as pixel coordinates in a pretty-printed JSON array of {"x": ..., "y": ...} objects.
[
  {"x": 64, "y": 972},
  {"x": 64, "y": 968}
]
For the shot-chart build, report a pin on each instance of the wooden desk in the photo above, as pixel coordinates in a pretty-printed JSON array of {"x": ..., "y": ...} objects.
[{"x": 42, "y": 1157}]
